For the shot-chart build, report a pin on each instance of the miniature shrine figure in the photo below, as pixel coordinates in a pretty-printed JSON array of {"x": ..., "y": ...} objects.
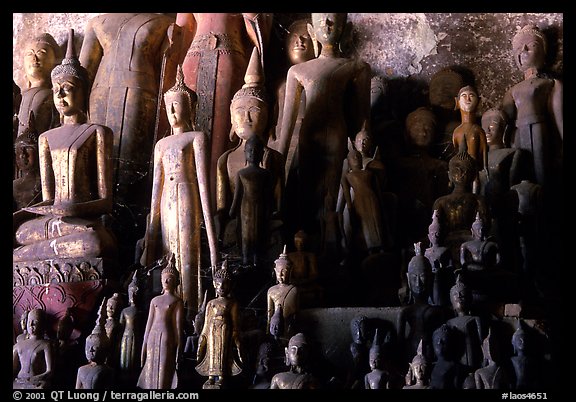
[
  {"x": 378, "y": 377},
  {"x": 162, "y": 346},
  {"x": 219, "y": 353},
  {"x": 480, "y": 253},
  {"x": 283, "y": 294},
  {"x": 297, "y": 377},
  {"x": 418, "y": 375},
  {"x": 440, "y": 258}
]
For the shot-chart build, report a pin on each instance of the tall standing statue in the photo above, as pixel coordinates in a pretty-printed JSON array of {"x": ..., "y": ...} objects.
[
  {"x": 130, "y": 320},
  {"x": 113, "y": 327},
  {"x": 76, "y": 176},
  {"x": 180, "y": 202},
  {"x": 32, "y": 357},
  {"x": 297, "y": 377},
  {"x": 470, "y": 131},
  {"x": 219, "y": 353},
  {"x": 162, "y": 346},
  {"x": 337, "y": 101},
  {"x": 535, "y": 106},
  {"x": 249, "y": 111},
  {"x": 124, "y": 53},
  {"x": 284, "y": 294},
  {"x": 41, "y": 56},
  {"x": 252, "y": 204},
  {"x": 214, "y": 54}
]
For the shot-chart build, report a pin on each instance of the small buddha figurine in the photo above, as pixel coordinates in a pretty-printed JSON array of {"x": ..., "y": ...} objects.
[
  {"x": 358, "y": 351},
  {"x": 181, "y": 183},
  {"x": 470, "y": 131},
  {"x": 113, "y": 328},
  {"x": 534, "y": 106},
  {"x": 41, "y": 56},
  {"x": 162, "y": 345},
  {"x": 249, "y": 114},
  {"x": 492, "y": 375},
  {"x": 418, "y": 319},
  {"x": 304, "y": 273},
  {"x": 447, "y": 372},
  {"x": 219, "y": 353},
  {"x": 66, "y": 351},
  {"x": 297, "y": 377},
  {"x": 468, "y": 347},
  {"x": 32, "y": 358},
  {"x": 418, "y": 375},
  {"x": 378, "y": 377},
  {"x": 526, "y": 364},
  {"x": 130, "y": 320},
  {"x": 440, "y": 258},
  {"x": 96, "y": 374},
  {"x": 27, "y": 189},
  {"x": 480, "y": 253},
  {"x": 253, "y": 198},
  {"x": 283, "y": 294},
  {"x": 263, "y": 376},
  {"x": 76, "y": 177}
]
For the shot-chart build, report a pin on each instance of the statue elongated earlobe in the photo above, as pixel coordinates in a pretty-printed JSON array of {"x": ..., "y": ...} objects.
[
  {"x": 456, "y": 103},
  {"x": 314, "y": 40}
]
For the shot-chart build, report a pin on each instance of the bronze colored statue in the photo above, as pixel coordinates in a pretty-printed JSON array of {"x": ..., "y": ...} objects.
[
  {"x": 32, "y": 358},
  {"x": 124, "y": 54},
  {"x": 249, "y": 113},
  {"x": 113, "y": 327},
  {"x": 76, "y": 176},
  {"x": 41, "y": 56},
  {"x": 162, "y": 346},
  {"x": 534, "y": 106},
  {"x": 180, "y": 202},
  {"x": 417, "y": 177},
  {"x": 363, "y": 195},
  {"x": 219, "y": 350},
  {"x": 27, "y": 189},
  {"x": 283, "y": 294},
  {"x": 297, "y": 377},
  {"x": 330, "y": 117},
  {"x": 468, "y": 346},
  {"x": 480, "y": 253},
  {"x": 447, "y": 371},
  {"x": 214, "y": 55},
  {"x": 469, "y": 131},
  {"x": 130, "y": 342},
  {"x": 252, "y": 202},
  {"x": 304, "y": 273},
  {"x": 418, "y": 375},
  {"x": 492, "y": 375},
  {"x": 440, "y": 258},
  {"x": 96, "y": 374}
]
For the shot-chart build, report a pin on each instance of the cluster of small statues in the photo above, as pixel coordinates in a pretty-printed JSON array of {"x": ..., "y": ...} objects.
[{"x": 224, "y": 201}]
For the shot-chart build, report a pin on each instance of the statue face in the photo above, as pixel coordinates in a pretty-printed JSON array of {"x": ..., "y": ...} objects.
[
  {"x": 299, "y": 44},
  {"x": 418, "y": 282},
  {"x": 282, "y": 274},
  {"x": 34, "y": 323},
  {"x": 296, "y": 354},
  {"x": 419, "y": 371},
  {"x": 26, "y": 157},
  {"x": 249, "y": 117},
  {"x": 434, "y": 237},
  {"x": 168, "y": 282},
  {"x": 93, "y": 349},
  {"x": 441, "y": 344},
  {"x": 328, "y": 27},
  {"x": 421, "y": 131},
  {"x": 494, "y": 127},
  {"x": 111, "y": 307},
  {"x": 221, "y": 286},
  {"x": 468, "y": 100},
  {"x": 68, "y": 95},
  {"x": 363, "y": 142},
  {"x": 39, "y": 60},
  {"x": 529, "y": 53},
  {"x": 178, "y": 110},
  {"x": 375, "y": 359},
  {"x": 460, "y": 300},
  {"x": 443, "y": 88}
]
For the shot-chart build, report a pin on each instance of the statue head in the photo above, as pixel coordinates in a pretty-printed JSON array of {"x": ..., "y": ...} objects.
[
  {"x": 249, "y": 106},
  {"x": 283, "y": 267},
  {"x": 462, "y": 168},
  {"x": 376, "y": 353},
  {"x": 327, "y": 28},
  {"x": 529, "y": 48},
  {"x": 265, "y": 351},
  {"x": 70, "y": 83},
  {"x": 359, "y": 329},
  {"x": 297, "y": 350},
  {"x": 41, "y": 55},
  {"x": 443, "y": 88},
  {"x": 133, "y": 288},
  {"x": 170, "y": 277},
  {"x": 363, "y": 141},
  {"x": 26, "y": 146},
  {"x": 113, "y": 306},
  {"x": 36, "y": 322},
  {"x": 420, "y": 127},
  {"x": 298, "y": 42},
  {"x": 494, "y": 125},
  {"x": 300, "y": 240},
  {"x": 478, "y": 229},
  {"x": 222, "y": 280},
  {"x": 467, "y": 99},
  {"x": 460, "y": 296},
  {"x": 419, "y": 274},
  {"x": 24, "y": 321},
  {"x": 180, "y": 104},
  {"x": 65, "y": 326},
  {"x": 443, "y": 342},
  {"x": 435, "y": 229},
  {"x": 97, "y": 343},
  {"x": 419, "y": 366}
]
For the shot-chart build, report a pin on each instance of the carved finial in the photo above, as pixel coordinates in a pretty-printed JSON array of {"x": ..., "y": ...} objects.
[{"x": 253, "y": 80}]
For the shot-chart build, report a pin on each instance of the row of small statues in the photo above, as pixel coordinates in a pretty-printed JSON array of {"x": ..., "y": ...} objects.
[
  {"x": 198, "y": 183},
  {"x": 440, "y": 349}
]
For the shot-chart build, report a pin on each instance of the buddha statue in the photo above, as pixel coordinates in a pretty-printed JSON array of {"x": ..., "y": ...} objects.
[
  {"x": 297, "y": 377},
  {"x": 113, "y": 328},
  {"x": 304, "y": 273},
  {"x": 27, "y": 189},
  {"x": 440, "y": 258},
  {"x": 76, "y": 178},
  {"x": 284, "y": 294},
  {"x": 492, "y": 375},
  {"x": 527, "y": 363},
  {"x": 359, "y": 367},
  {"x": 480, "y": 253},
  {"x": 329, "y": 118},
  {"x": 418, "y": 375},
  {"x": 131, "y": 323},
  {"x": 180, "y": 203},
  {"x": 447, "y": 372},
  {"x": 378, "y": 377}
]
